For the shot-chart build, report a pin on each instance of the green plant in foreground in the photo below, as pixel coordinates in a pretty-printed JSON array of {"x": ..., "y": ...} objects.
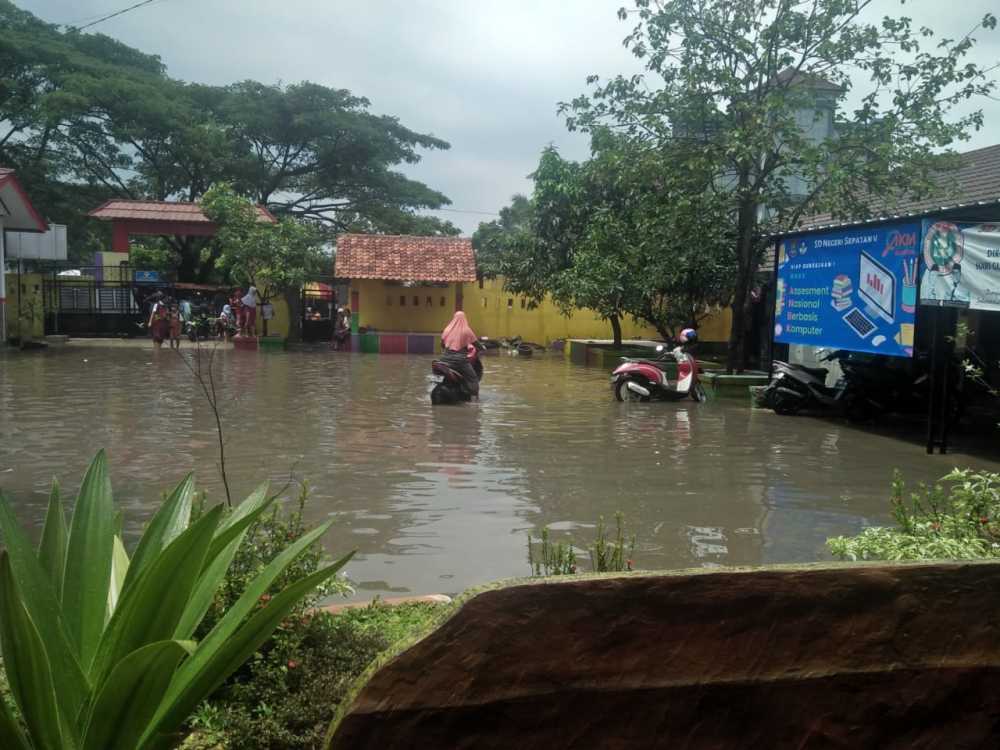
[
  {"x": 287, "y": 694},
  {"x": 606, "y": 555},
  {"x": 609, "y": 556},
  {"x": 962, "y": 523},
  {"x": 551, "y": 559},
  {"x": 98, "y": 648}
]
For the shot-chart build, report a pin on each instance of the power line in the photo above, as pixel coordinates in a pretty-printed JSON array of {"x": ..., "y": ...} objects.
[{"x": 109, "y": 16}]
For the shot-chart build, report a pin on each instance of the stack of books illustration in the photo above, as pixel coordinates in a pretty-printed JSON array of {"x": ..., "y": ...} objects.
[{"x": 841, "y": 293}]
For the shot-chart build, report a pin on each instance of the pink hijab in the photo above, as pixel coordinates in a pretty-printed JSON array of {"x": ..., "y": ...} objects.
[{"x": 457, "y": 334}]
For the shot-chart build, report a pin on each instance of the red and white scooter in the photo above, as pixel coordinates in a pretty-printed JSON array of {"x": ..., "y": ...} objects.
[{"x": 647, "y": 379}]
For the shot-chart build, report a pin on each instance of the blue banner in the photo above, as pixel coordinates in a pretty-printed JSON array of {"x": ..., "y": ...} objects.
[
  {"x": 146, "y": 277},
  {"x": 853, "y": 289}
]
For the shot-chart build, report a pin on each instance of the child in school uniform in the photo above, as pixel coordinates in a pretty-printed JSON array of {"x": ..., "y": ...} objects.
[{"x": 175, "y": 327}]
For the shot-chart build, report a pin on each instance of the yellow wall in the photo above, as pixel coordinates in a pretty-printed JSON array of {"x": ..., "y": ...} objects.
[
  {"x": 497, "y": 314},
  {"x": 31, "y": 284},
  {"x": 380, "y": 308},
  {"x": 280, "y": 324}
]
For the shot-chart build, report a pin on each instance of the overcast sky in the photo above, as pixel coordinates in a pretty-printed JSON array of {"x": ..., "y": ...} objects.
[{"x": 485, "y": 75}]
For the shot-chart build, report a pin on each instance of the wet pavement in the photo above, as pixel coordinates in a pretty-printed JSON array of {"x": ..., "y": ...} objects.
[{"x": 440, "y": 499}]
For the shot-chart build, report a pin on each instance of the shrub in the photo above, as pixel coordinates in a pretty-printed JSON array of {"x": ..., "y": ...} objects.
[
  {"x": 98, "y": 648},
  {"x": 288, "y": 692},
  {"x": 961, "y": 522}
]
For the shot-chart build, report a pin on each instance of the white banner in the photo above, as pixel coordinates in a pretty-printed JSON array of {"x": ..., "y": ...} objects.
[{"x": 961, "y": 265}]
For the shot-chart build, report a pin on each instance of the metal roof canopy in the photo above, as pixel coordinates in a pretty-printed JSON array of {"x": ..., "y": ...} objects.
[{"x": 966, "y": 212}]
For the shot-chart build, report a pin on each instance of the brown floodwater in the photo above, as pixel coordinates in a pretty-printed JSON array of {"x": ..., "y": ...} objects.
[{"x": 440, "y": 499}]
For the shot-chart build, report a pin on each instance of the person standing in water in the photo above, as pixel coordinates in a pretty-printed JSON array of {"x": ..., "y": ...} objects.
[
  {"x": 159, "y": 325},
  {"x": 249, "y": 327},
  {"x": 456, "y": 339},
  {"x": 175, "y": 327}
]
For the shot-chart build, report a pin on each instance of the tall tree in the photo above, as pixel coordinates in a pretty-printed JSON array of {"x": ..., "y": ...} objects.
[
  {"x": 745, "y": 85},
  {"x": 276, "y": 258},
  {"x": 624, "y": 233},
  {"x": 84, "y": 118},
  {"x": 317, "y": 153}
]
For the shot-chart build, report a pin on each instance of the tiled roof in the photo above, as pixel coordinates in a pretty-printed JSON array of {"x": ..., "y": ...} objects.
[
  {"x": 405, "y": 258},
  {"x": 189, "y": 213},
  {"x": 976, "y": 182}
]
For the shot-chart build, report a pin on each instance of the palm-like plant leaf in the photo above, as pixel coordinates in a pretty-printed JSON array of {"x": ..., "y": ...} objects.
[{"x": 108, "y": 662}]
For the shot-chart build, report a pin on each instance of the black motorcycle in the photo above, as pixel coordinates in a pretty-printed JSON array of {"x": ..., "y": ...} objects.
[
  {"x": 199, "y": 328},
  {"x": 452, "y": 388}
]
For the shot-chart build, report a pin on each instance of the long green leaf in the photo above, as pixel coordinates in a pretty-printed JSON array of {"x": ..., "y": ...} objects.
[
  {"x": 40, "y": 600},
  {"x": 240, "y": 519},
  {"x": 52, "y": 548},
  {"x": 204, "y": 592},
  {"x": 151, "y": 607},
  {"x": 119, "y": 570},
  {"x": 233, "y": 529},
  {"x": 132, "y": 694},
  {"x": 217, "y": 658},
  {"x": 261, "y": 583},
  {"x": 88, "y": 560},
  {"x": 165, "y": 526},
  {"x": 12, "y": 737},
  {"x": 27, "y": 666}
]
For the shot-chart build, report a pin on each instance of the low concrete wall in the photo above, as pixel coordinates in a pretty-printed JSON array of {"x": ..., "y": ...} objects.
[{"x": 839, "y": 656}]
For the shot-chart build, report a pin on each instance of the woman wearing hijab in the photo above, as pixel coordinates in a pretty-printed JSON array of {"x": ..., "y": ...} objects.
[{"x": 456, "y": 339}]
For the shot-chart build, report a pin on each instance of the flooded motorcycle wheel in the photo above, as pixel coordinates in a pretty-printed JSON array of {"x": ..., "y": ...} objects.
[
  {"x": 786, "y": 406},
  {"x": 624, "y": 393}
]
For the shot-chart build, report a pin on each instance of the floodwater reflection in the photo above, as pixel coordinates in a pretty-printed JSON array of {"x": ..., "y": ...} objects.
[{"x": 439, "y": 499}]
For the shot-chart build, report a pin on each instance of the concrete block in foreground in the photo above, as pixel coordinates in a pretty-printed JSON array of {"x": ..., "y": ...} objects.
[{"x": 852, "y": 656}]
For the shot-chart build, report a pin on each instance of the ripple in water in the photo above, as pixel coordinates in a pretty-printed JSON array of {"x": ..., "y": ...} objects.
[{"x": 443, "y": 498}]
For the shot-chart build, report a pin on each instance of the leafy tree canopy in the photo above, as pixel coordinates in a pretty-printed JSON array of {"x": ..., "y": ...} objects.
[
  {"x": 746, "y": 86},
  {"x": 84, "y": 117}
]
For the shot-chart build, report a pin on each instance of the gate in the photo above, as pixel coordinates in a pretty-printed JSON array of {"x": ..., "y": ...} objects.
[{"x": 96, "y": 301}]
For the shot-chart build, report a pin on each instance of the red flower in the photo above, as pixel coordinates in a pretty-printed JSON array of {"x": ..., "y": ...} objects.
[
  {"x": 984, "y": 519},
  {"x": 292, "y": 664},
  {"x": 628, "y": 563},
  {"x": 264, "y": 599},
  {"x": 936, "y": 526}
]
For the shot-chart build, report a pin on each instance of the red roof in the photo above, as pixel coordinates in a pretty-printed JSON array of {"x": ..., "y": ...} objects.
[
  {"x": 27, "y": 219},
  {"x": 189, "y": 213},
  {"x": 405, "y": 258}
]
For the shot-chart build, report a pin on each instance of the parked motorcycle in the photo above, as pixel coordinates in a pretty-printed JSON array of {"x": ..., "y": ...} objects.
[
  {"x": 795, "y": 388},
  {"x": 452, "y": 388},
  {"x": 648, "y": 379}
]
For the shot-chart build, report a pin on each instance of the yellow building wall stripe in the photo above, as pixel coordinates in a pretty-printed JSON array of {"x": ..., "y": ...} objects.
[{"x": 497, "y": 314}]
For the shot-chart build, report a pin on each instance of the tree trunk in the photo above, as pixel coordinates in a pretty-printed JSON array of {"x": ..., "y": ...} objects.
[
  {"x": 745, "y": 270},
  {"x": 616, "y": 330},
  {"x": 293, "y": 296}
]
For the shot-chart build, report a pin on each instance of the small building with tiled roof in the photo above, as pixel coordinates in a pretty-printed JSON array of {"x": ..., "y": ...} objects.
[
  {"x": 403, "y": 289},
  {"x": 162, "y": 218}
]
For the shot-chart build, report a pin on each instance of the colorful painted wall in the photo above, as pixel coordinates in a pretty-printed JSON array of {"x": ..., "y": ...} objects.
[{"x": 494, "y": 313}]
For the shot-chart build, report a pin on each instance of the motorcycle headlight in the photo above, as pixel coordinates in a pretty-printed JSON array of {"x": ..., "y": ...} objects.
[{"x": 779, "y": 376}]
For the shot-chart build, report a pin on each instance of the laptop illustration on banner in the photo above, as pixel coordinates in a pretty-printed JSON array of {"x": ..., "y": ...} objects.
[{"x": 877, "y": 289}]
